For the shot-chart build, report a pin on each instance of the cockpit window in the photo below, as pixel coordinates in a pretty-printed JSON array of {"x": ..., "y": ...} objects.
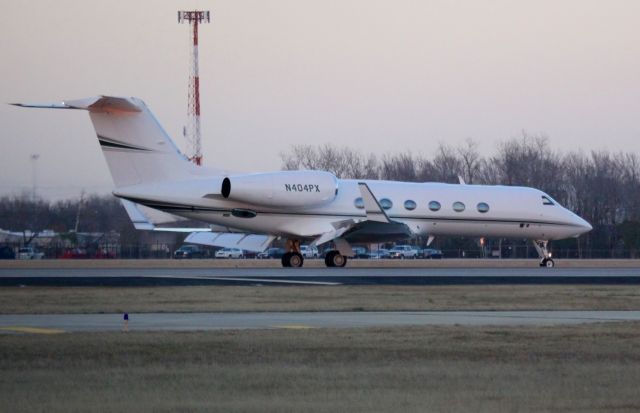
[{"x": 547, "y": 201}]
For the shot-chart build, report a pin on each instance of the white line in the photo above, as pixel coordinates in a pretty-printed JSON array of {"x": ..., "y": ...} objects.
[{"x": 261, "y": 280}]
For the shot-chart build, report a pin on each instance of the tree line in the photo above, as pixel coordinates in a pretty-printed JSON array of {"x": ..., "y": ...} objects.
[
  {"x": 601, "y": 186},
  {"x": 91, "y": 214}
]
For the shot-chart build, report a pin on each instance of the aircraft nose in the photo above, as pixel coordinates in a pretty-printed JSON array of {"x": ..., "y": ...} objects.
[{"x": 583, "y": 225}]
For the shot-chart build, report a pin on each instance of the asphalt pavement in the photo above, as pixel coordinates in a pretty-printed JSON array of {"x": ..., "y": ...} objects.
[
  {"x": 60, "y": 323},
  {"x": 315, "y": 276}
]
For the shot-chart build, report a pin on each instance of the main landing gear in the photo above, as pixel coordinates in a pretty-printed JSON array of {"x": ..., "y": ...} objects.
[
  {"x": 293, "y": 258},
  {"x": 543, "y": 252},
  {"x": 335, "y": 259}
]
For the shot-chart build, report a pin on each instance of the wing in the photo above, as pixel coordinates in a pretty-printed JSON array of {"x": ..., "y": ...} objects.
[{"x": 248, "y": 242}]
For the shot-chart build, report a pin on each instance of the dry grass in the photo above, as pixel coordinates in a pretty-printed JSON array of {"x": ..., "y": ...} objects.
[
  {"x": 584, "y": 368},
  {"x": 34, "y": 300}
]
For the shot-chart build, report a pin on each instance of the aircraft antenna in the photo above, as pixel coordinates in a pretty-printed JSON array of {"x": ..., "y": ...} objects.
[{"x": 192, "y": 130}]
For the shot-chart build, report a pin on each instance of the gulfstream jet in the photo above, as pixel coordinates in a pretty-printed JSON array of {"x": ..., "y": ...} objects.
[{"x": 249, "y": 211}]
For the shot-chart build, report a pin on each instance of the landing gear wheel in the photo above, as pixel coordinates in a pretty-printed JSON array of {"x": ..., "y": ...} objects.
[
  {"x": 328, "y": 259},
  {"x": 547, "y": 262},
  {"x": 292, "y": 259},
  {"x": 296, "y": 260},
  {"x": 285, "y": 259},
  {"x": 335, "y": 259}
]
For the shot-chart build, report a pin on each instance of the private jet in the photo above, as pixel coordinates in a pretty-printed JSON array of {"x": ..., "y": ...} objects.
[{"x": 250, "y": 211}]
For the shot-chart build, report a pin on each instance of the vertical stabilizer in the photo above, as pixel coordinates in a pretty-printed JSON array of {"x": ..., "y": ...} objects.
[{"x": 135, "y": 146}]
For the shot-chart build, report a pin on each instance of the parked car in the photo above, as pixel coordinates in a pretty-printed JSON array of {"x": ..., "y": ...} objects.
[
  {"x": 29, "y": 253},
  {"x": 188, "y": 251},
  {"x": 308, "y": 251},
  {"x": 431, "y": 253},
  {"x": 381, "y": 253},
  {"x": 360, "y": 252},
  {"x": 7, "y": 253},
  {"x": 230, "y": 253},
  {"x": 271, "y": 253},
  {"x": 384, "y": 253},
  {"x": 403, "y": 251}
]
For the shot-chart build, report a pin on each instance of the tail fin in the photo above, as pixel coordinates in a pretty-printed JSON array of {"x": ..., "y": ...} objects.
[{"x": 134, "y": 144}]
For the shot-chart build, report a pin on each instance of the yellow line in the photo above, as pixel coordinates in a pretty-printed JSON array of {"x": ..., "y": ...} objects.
[
  {"x": 32, "y": 330},
  {"x": 294, "y": 326}
]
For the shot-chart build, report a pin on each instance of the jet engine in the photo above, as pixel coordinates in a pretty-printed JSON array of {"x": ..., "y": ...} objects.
[{"x": 282, "y": 189}]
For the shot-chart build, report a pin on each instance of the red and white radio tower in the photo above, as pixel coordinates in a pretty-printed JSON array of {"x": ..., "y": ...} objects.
[{"x": 192, "y": 130}]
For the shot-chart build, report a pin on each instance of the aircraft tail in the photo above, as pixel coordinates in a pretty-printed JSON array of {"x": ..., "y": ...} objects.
[{"x": 137, "y": 149}]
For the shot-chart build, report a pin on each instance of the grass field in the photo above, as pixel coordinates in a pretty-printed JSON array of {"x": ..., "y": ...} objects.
[
  {"x": 593, "y": 367},
  {"x": 16, "y": 300},
  {"x": 577, "y": 368}
]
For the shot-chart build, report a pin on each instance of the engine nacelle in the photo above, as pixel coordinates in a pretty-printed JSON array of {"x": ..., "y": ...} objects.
[{"x": 282, "y": 189}]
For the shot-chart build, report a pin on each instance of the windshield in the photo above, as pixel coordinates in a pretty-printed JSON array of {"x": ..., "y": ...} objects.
[{"x": 547, "y": 200}]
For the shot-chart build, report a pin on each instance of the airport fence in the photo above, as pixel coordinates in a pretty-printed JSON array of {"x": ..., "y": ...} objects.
[{"x": 165, "y": 251}]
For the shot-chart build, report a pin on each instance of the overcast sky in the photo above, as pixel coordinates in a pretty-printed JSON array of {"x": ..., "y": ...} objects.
[{"x": 384, "y": 76}]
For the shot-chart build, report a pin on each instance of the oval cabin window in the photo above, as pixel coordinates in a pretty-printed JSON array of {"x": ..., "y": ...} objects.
[
  {"x": 386, "y": 203},
  {"x": 434, "y": 206},
  {"x": 458, "y": 206},
  {"x": 410, "y": 205},
  {"x": 483, "y": 207}
]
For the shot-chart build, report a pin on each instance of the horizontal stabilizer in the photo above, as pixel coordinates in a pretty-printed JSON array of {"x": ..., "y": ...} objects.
[
  {"x": 139, "y": 220},
  {"x": 146, "y": 219},
  {"x": 248, "y": 242},
  {"x": 92, "y": 104}
]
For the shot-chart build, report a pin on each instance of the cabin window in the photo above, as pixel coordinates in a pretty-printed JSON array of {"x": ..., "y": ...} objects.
[
  {"x": 458, "y": 206},
  {"x": 483, "y": 207},
  {"x": 434, "y": 206},
  {"x": 410, "y": 205},
  {"x": 359, "y": 203},
  {"x": 386, "y": 203},
  {"x": 547, "y": 201}
]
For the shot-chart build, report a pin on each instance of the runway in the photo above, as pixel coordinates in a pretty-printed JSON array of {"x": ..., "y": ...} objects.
[
  {"x": 314, "y": 276},
  {"x": 60, "y": 323}
]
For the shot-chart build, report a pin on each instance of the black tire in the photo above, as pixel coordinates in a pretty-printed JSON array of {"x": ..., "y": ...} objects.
[
  {"x": 328, "y": 259},
  {"x": 547, "y": 262},
  {"x": 285, "y": 259}
]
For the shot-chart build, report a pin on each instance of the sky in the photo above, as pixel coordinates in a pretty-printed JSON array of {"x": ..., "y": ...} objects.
[{"x": 381, "y": 76}]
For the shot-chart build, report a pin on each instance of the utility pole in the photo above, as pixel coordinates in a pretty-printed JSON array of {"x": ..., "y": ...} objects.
[{"x": 34, "y": 158}]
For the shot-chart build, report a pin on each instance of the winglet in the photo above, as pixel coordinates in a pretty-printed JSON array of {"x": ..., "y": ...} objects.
[{"x": 371, "y": 205}]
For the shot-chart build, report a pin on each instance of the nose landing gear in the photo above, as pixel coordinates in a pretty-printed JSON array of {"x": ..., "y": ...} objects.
[{"x": 543, "y": 252}]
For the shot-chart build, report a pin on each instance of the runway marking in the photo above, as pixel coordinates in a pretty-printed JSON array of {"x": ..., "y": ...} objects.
[
  {"x": 32, "y": 330},
  {"x": 259, "y": 280},
  {"x": 294, "y": 326}
]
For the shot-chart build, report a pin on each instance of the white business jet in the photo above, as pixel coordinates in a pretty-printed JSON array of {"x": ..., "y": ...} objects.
[{"x": 249, "y": 211}]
